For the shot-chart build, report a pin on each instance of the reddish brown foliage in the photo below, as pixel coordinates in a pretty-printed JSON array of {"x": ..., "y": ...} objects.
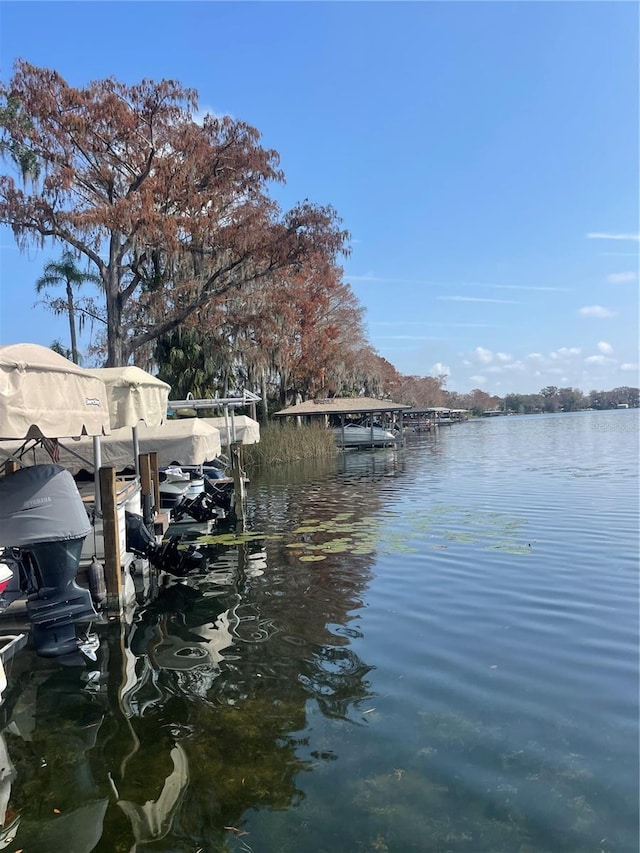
[{"x": 173, "y": 214}]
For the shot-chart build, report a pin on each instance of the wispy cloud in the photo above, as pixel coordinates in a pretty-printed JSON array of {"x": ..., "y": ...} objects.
[
  {"x": 596, "y": 311},
  {"x": 424, "y": 323},
  {"x": 408, "y": 338},
  {"x": 621, "y": 277},
  {"x": 605, "y": 348},
  {"x": 369, "y": 277},
  {"x": 439, "y": 369},
  {"x": 477, "y": 299},
  {"x": 527, "y": 287},
  {"x": 479, "y": 380},
  {"x": 597, "y": 235},
  {"x": 630, "y": 367}
]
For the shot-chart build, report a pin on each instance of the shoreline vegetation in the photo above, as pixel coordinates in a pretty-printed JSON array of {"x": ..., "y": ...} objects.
[{"x": 283, "y": 443}]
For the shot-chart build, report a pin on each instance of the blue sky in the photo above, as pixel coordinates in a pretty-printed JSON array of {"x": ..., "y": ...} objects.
[{"x": 484, "y": 157}]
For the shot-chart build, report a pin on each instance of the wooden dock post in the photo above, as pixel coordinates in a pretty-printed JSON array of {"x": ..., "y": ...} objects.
[
  {"x": 155, "y": 479},
  {"x": 111, "y": 536},
  {"x": 10, "y": 467},
  {"x": 235, "y": 455},
  {"x": 146, "y": 486}
]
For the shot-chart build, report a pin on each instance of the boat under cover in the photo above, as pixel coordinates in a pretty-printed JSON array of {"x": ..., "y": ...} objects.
[{"x": 358, "y": 435}]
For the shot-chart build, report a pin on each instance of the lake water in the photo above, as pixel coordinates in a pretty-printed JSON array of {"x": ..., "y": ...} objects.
[{"x": 428, "y": 649}]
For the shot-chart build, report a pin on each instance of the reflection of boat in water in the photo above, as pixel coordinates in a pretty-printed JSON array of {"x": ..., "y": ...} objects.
[
  {"x": 193, "y": 663},
  {"x": 153, "y": 820},
  {"x": 360, "y": 435},
  {"x": 54, "y": 726}
]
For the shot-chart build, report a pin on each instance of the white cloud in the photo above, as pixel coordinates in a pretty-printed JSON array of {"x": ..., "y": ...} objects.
[
  {"x": 621, "y": 277},
  {"x": 628, "y": 366},
  {"x": 564, "y": 352},
  {"x": 596, "y": 311},
  {"x": 200, "y": 116},
  {"x": 599, "y": 359},
  {"x": 502, "y": 356},
  {"x": 605, "y": 348},
  {"x": 485, "y": 356},
  {"x": 439, "y": 369},
  {"x": 495, "y": 368},
  {"x": 478, "y": 380},
  {"x": 535, "y": 356},
  {"x": 600, "y": 236}
]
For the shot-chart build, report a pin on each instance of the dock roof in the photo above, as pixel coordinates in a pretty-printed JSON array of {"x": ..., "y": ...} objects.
[{"x": 342, "y": 406}]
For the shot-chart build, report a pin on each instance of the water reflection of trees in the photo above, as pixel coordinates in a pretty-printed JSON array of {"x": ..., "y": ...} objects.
[{"x": 196, "y": 709}]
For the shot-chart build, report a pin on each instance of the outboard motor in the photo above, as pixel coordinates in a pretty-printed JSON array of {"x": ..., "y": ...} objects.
[
  {"x": 168, "y": 556},
  {"x": 201, "y": 508},
  {"x": 220, "y": 493},
  {"x": 42, "y": 514}
]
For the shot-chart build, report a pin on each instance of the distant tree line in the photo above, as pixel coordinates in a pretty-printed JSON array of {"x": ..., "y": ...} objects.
[{"x": 548, "y": 399}]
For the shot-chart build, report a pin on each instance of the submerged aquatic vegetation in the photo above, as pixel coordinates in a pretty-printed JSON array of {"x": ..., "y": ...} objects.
[{"x": 348, "y": 533}]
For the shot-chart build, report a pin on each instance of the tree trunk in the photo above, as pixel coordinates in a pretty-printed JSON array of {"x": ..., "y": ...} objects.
[
  {"x": 116, "y": 350},
  {"x": 72, "y": 324},
  {"x": 115, "y": 344}
]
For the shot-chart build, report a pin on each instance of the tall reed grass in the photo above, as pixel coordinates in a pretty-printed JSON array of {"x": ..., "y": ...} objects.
[{"x": 282, "y": 443}]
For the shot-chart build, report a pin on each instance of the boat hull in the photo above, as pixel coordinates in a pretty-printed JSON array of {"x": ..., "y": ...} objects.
[{"x": 363, "y": 436}]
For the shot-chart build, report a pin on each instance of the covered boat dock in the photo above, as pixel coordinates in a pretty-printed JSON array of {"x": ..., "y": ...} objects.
[
  {"x": 425, "y": 418},
  {"x": 344, "y": 409}
]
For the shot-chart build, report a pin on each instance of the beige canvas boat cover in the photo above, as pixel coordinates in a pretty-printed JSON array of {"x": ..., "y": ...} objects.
[
  {"x": 134, "y": 395},
  {"x": 247, "y": 431},
  {"x": 187, "y": 442},
  {"x": 44, "y": 395}
]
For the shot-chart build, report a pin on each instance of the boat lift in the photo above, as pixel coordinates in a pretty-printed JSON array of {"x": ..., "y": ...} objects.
[{"x": 228, "y": 406}]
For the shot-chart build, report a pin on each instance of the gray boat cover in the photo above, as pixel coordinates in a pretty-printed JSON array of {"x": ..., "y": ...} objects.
[{"x": 40, "y": 504}]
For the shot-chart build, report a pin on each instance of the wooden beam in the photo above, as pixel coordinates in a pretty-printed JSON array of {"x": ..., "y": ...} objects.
[
  {"x": 155, "y": 479},
  {"x": 111, "y": 536},
  {"x": 145, "y": 474},
  {"x": 235, "y": 456}
]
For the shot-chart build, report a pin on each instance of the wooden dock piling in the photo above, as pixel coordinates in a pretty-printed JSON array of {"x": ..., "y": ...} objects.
[{"x": 111, "y": 536}]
